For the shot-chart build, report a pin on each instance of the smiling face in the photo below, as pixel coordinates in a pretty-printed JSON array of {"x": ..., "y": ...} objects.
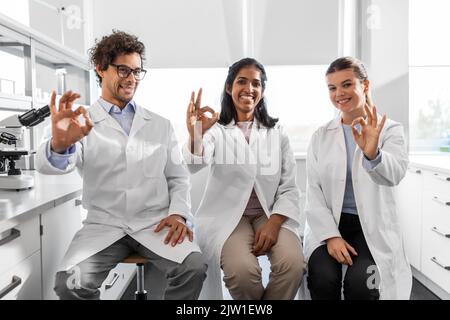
[
  {"x": 116, "y": 90},
  {"x": 347, "y": 91},
  {"x": 246, "y": 92}
]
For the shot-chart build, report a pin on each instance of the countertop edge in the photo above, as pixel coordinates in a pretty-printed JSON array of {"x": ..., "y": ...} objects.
[{"x": 31, "y": 213}]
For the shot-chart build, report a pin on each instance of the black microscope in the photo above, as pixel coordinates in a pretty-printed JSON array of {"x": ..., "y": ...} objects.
[{"x": 11, "y": 178}]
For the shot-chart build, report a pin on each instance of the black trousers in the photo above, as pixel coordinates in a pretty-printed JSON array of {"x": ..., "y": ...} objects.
[{"x": 325, "y": 273}]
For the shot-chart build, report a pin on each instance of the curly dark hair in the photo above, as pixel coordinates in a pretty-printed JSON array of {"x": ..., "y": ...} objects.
[{"x": 105, "y": 51}]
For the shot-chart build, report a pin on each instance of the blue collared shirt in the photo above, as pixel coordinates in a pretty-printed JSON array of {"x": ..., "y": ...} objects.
[{"x": 124, "y": 117}]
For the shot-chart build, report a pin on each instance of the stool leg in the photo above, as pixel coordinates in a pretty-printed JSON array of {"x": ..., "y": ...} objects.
[{"x": 140, "y": 294}]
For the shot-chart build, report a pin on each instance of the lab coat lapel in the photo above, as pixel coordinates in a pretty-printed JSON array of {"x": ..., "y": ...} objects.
[
  {"x": 98, "y": 114},
  {"x": 236, "y": 135},
  {"x": 141, "y": 118},
  {"x": 335, "y": 127},
  {"x": 239, "y": 136},
  {"x": 245, "y": 149}
]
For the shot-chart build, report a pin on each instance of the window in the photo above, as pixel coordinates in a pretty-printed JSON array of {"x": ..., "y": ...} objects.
[
  {"x": 297, "y": 95},
  {"x": 167, "y": 92},
  {"x": 429, "y": 74}
]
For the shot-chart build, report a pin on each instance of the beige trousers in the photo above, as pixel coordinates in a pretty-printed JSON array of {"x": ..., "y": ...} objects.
[{"x": 242, "y": 272}]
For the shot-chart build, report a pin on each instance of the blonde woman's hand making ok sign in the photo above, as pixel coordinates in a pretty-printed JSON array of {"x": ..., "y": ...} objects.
[{"x": 368, "y": 138}]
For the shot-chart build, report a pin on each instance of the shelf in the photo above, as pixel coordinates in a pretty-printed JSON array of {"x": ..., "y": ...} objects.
[
  {"x": 46, "y": 47},
  {"x": 11, "y": 102},
  {"x": 41, "y": 56}
]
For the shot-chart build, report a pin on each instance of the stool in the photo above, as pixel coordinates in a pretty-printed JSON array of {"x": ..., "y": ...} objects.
[{"x": 141, "y": 293}]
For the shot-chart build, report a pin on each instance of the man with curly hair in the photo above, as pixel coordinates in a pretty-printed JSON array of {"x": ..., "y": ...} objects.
[{"x": 135, "y": 183}]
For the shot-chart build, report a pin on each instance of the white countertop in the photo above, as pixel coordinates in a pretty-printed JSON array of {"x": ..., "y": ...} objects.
[
  {"x": 433, "y": 161},
  {"x": 48, "y": 192}
]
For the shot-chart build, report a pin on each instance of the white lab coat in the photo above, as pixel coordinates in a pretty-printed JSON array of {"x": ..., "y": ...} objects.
[
  {"x": 374, "y": 196},
  {"x": 130, "y": 183},
  {"x": 266, "y": 163}
]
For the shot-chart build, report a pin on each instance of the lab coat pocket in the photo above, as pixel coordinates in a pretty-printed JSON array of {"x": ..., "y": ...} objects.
[{"x": 154, "y": 159}]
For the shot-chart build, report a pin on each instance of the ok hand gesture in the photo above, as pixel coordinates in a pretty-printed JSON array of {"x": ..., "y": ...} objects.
[
  {"x": 367, "y": 139},
  {"x": 66, "y": 127},
  {"x": 197, "y": 113}
]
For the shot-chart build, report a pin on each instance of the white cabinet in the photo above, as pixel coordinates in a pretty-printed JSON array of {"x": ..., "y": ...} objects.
[
  {"x": 59, "y": 225},
  {"x": 20, "y": 265},
  {"x": 436, "y": 229},
  {"x": 17, "y": 242},
  {"x": 409, "y": 208},
  {"x": 23, "y": 281},
  {"x": 424, "y": 210}
]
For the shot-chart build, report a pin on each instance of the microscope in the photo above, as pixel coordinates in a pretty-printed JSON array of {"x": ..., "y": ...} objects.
[{"x": 11, "y": 129}]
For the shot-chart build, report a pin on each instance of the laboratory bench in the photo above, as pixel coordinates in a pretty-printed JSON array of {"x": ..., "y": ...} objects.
[{"x": 36, "y": 228}]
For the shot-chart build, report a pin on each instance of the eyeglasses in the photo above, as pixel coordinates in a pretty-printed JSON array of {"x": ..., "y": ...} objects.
[{"x": 124, "y": 72}]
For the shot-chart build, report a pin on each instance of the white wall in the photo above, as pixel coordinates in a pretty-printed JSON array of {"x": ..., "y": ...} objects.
[
  {"x": 291, "y": 32},
  {"x": 66, "y": 27},
  {"x": 384, "y": 49},
  {"x": 215, "y": 33},
  {"x": 177, "y": 33}
]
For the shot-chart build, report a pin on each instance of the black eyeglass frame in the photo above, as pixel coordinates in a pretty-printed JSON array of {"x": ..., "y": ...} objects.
[{"x": 136, "y": 72}]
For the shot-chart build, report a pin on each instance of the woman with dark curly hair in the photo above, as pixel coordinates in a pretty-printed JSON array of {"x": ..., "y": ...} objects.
[{"x": 135, "y": 186}]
